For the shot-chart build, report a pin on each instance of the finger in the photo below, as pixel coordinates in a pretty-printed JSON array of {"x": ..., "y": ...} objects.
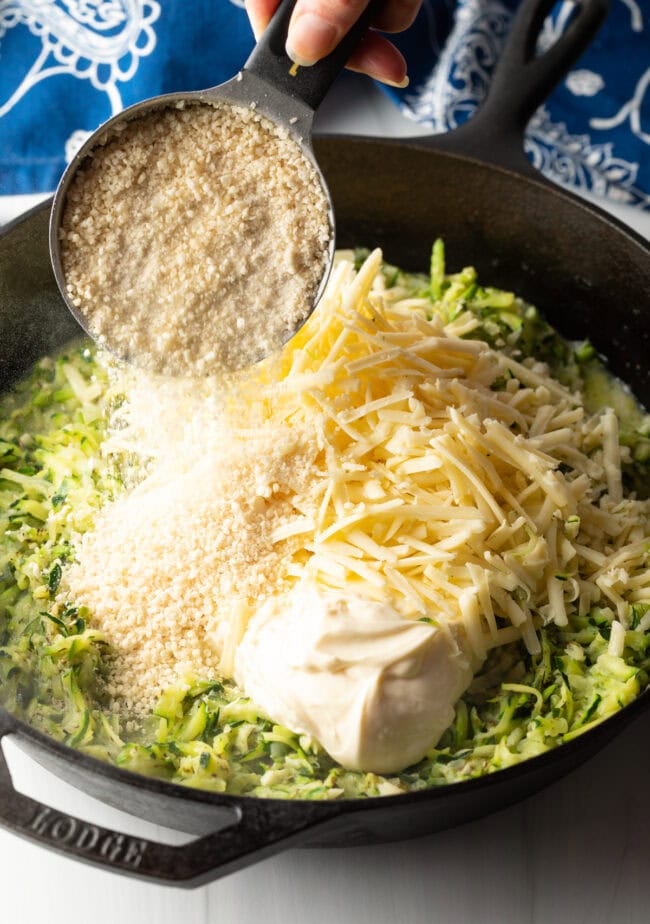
[
  {"x": 317, "y": 26},
  {"x": 260, "y": 13},
  {"x": 397, "y": 15},
  {"x": 379, "y": 58}
]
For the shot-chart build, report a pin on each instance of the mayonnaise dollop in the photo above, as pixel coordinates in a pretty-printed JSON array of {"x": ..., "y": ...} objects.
[{"x": 377, "y": 690}]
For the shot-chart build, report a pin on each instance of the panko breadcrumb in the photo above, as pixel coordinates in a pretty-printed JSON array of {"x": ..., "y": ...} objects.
[
  {"x": 194, "y": 240},
  {"x": 172, "y": 569}
]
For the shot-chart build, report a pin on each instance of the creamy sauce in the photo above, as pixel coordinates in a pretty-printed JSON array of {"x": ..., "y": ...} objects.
[{"x": 375, "y": 689}]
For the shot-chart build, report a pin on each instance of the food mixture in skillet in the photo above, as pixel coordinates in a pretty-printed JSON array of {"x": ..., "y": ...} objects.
[
  {"x": 228, "y": 228},
  {"x": 412, "y": 551}
]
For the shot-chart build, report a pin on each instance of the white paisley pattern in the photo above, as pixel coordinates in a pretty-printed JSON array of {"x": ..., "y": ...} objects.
[
  {"x": 583, "y": 82},
  {"x": 575, "y": 160},
  {"x": 460, "y": 80},
  {"x": 636, "y": 18},
  {"x": 462, "y": 76},
  {"x": 632, "y": 110},
  {"x": 101, "y": 41}
]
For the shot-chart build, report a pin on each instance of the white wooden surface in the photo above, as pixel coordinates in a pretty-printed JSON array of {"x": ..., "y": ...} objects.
[{"x": 577, "y": 852}]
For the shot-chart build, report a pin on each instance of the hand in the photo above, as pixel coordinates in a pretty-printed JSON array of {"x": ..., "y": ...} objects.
[{"x": 317, "y": 26}]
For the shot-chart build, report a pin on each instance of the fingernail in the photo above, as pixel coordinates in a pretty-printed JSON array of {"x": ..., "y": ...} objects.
[
  {"x": 310, "y": 38},
  {"x": 257, "y": 25},
  {"x": 400, "y": 86}
]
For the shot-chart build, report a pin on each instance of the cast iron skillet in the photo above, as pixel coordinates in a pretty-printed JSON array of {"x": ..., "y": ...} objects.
[{"x": 591, "y": 276}]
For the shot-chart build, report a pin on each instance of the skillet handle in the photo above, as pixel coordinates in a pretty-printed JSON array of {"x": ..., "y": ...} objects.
[
  {"x": 270, "y": 61},
  {"x": 522, "y": 81},
  {"x": 258, "y": 830}
]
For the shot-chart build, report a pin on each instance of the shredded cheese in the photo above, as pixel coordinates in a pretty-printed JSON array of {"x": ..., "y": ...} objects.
[{"x": 400, "y": 475}]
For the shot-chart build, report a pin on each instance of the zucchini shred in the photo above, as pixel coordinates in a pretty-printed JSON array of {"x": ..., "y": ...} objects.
[{"x": 204, "y": 732}]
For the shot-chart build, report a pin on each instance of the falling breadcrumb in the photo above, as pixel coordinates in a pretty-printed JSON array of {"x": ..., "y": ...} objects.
[{"x": 171, "y": 570}]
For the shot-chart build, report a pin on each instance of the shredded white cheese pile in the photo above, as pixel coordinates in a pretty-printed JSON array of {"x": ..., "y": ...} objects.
[
  {"x": 458, "y": 501},
  {"x": 419, "y": 485}
]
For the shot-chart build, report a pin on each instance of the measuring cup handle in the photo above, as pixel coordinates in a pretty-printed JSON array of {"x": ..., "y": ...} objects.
[{"x": 270, "y": 61}]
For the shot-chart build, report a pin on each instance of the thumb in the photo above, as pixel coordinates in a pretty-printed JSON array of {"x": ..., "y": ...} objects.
[{"x": 317, "y": 26}]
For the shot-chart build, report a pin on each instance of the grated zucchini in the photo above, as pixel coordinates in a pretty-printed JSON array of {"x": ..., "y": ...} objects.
[{"x": 203, "y": 732}]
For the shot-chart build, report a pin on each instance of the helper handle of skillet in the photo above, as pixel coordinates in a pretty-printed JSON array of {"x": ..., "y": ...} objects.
[
  {"x": 254, "y": 830},
  {"x": 522, "y": 80},
  {"x": 270, "y": 61}
]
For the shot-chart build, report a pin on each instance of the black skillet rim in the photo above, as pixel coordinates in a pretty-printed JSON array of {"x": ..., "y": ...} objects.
[
  {"x": 328, "y": 809},
  {"x": 521, "y": 83}
]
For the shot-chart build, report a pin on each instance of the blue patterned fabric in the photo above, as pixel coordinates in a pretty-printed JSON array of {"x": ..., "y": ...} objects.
[
  {"x": 594, "y": 131},
  {"x": 67, "y": 65}
]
